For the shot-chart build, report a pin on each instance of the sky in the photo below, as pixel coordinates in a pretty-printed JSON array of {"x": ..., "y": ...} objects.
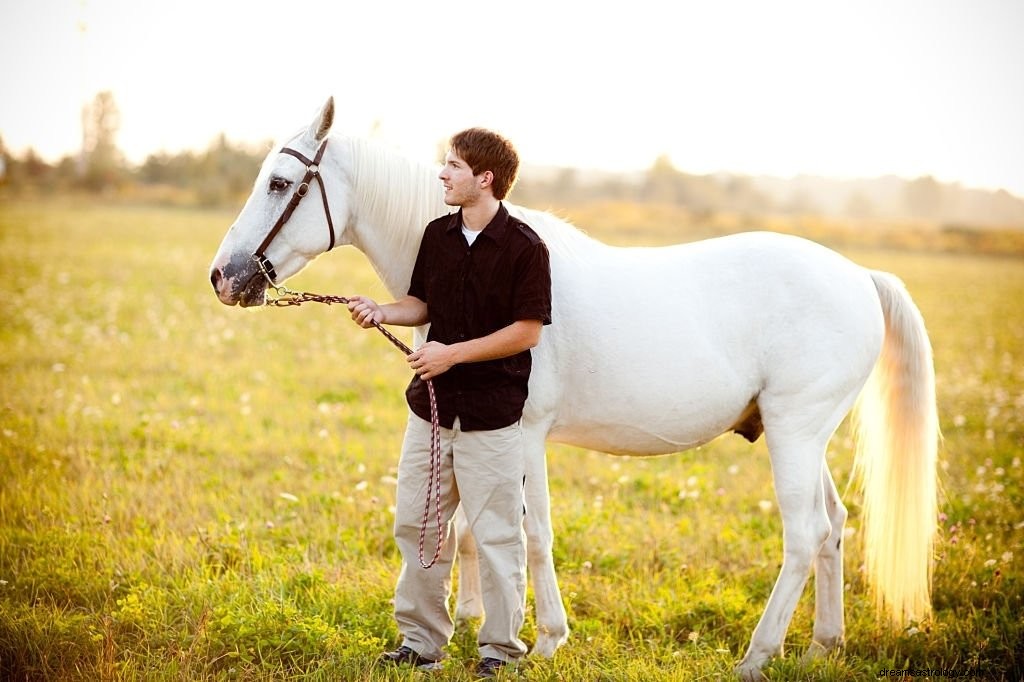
[{"x": 787, "y": 87}]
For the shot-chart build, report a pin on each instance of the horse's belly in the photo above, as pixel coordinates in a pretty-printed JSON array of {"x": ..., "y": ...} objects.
[
  {"x": 623, "y": 439},
  {"x": 650, "y": 418}
]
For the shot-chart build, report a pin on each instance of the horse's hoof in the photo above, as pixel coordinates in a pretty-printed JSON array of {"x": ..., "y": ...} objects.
[
  {"x": 548, "y": 641},
  {"x": 750, "y": 673},
  {"x": 821, "y": 649},
  {"x": 467, "y": 612}
]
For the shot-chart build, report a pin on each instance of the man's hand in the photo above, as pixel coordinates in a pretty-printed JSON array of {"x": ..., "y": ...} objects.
[
  {"x": 365, "y": 311},
  {"x": 432, "y": 359}
]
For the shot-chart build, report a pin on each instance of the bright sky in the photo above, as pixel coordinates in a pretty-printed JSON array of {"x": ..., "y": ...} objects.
[{"x": 780, "y": 87}]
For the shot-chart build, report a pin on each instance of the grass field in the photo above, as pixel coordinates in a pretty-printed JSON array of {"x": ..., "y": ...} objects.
[{"x": 194, "y": 492}]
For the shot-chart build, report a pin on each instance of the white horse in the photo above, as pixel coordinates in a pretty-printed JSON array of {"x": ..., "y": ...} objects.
[{"x": 657, "y": 350}]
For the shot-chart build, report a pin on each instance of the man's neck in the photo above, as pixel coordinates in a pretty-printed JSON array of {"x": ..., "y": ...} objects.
[{"x": 477, "y": 215}]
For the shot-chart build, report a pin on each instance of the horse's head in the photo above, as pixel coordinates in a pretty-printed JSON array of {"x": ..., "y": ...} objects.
[{"x": 278, "y": 233}]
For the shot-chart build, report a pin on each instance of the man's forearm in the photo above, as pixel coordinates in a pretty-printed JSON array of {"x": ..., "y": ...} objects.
[
  {"x": 506, "y": 342},
  {"x": 408, "y": 311}
]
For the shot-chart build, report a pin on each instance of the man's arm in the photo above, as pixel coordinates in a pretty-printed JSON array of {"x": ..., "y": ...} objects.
[
  {"x": 407, "y": 311},
  {"x": 433, "y": 358}
]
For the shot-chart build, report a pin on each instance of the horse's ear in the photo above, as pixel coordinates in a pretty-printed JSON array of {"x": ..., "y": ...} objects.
[{"x": 322, "y": 123}]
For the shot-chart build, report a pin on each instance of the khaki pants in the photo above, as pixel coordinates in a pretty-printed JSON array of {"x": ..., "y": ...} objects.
[{"x": 485, "y": 471}]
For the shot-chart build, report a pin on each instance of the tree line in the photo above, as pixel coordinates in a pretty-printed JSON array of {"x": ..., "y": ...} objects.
[{"x": 222, "y": 175}]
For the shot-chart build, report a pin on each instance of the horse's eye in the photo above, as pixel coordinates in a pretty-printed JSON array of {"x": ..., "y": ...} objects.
[{"x": 279, "y": 184}]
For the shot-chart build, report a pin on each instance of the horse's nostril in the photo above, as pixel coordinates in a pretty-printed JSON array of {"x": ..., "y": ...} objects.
[{"x": 215, "y": 278}]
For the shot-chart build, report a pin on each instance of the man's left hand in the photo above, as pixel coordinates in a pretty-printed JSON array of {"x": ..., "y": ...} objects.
[{"x": 432, "y": 359}]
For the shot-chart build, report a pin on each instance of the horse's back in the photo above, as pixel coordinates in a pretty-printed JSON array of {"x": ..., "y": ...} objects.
[{"x": 661, "y": 349}]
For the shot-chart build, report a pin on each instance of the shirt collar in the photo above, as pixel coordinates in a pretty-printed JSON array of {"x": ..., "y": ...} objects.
[{"x": 497, "y": 229}]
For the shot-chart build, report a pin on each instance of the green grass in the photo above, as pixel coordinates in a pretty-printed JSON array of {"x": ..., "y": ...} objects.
[{"x": 189, "y": 491}]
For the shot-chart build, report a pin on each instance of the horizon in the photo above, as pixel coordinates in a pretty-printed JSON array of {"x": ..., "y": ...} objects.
[{"x": 781, "y": 91}]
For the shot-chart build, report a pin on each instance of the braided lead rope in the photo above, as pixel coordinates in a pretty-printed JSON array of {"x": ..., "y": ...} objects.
[{"x": 286, "y": 297}]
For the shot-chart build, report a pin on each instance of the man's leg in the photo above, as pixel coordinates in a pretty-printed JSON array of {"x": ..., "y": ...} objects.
[
  {"x": 421, "y": 596},
  {"x": 489, "y": 467}
]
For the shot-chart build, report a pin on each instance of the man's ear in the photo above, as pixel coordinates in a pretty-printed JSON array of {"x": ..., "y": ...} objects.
[{"x": 486, "y": 179}]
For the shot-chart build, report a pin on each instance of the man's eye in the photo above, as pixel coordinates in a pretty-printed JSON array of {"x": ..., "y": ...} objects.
[{"x": 279, "y": 184}]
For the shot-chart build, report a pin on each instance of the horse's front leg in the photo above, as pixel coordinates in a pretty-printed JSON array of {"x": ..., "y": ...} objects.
[
  {"x": 469, "y": 601},
  {"x": 552, "y": 622}
]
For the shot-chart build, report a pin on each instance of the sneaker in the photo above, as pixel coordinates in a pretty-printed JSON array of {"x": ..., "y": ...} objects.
[
  {"x": 403, "y": 655},
  {"x": 489, "y": 667}
]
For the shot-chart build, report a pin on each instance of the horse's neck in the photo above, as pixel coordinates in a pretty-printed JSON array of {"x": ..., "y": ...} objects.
[{"x": 393, "y": 200}]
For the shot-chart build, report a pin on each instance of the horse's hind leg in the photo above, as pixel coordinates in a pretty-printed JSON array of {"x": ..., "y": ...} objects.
[
  {"x": 828, "y": 574},
  {"x": 796, "y": 466}
]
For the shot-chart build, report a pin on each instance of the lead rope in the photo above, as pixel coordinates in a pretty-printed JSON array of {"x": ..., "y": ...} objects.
[{"x": 287, "y": 297}]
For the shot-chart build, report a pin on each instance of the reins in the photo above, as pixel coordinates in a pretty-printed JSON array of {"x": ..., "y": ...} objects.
[{"x": 287, "y": 297}]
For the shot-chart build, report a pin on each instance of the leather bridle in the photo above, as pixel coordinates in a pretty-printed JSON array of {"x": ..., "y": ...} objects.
[{"x": 312, "y": 172}]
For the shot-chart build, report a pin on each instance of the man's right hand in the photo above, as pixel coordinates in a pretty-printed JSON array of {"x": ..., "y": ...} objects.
[{"x": 365, "y": 311}]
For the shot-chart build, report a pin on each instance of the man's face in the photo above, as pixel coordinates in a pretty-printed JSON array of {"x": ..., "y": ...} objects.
[{"x": 461, "y": 187}]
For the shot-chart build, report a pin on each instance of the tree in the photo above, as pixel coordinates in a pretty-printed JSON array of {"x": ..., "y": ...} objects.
[
  {"x": 102, "y": 162},
  {"x": 661, "y": 184},
  {"x": 923, "y": 198}
]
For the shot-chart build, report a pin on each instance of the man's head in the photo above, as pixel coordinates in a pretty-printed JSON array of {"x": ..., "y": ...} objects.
[{"x": 484, "y": 150}]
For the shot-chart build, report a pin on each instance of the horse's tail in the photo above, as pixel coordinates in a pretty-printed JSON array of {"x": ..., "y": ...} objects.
[{"x": 897, "y": 447}]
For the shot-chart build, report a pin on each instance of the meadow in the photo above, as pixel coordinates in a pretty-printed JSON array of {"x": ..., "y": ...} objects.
[{"x": 195, "y": 492}]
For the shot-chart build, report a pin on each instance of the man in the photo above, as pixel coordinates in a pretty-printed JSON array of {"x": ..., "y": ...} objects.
[{"x": 482, "y": 280}]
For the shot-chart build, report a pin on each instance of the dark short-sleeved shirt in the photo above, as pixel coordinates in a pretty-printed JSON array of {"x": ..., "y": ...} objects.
[{"x": 473, "y": 291}]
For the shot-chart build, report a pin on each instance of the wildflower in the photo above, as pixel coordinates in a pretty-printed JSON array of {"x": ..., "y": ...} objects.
[
  {"x": 765, "y": 506},
  {"x": 1007, "y": 557},
  {"x": 693, "y": 636},
  {"x": 289, "y": 497},
  {"x": 362, "y": 485}
]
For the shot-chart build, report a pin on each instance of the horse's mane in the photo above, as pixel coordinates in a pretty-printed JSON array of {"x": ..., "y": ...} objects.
[
  {"x": 394, "y": 191},
  {"x": 563, "y": 239}
]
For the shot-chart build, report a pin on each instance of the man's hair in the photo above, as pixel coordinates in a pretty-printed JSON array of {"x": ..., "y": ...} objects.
[{"x": 485, "y": 150}]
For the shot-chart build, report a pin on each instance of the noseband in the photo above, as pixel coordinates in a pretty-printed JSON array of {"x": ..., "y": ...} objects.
[{"x": 312, "y": 171}]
